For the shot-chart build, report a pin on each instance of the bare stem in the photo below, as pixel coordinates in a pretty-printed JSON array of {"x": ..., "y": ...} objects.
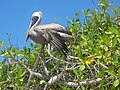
[{"x": 86, "y": 82}]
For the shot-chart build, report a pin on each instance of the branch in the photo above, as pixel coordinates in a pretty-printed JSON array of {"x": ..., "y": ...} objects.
[
  {"x": 31, "y": 74},
  {"x": 86, "y": 82},
  {"x": 45, "y": 71},
  {"x": 16, "y": 62},
  {"x": 19, "y": 62},
  {"x": 43, "y": 66},
  {"x": 55, "y": 78}
]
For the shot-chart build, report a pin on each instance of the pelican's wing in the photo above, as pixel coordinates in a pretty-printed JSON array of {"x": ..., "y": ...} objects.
[
  {"x": 58, "y": 42},
  {"x": 51, "y": 26},
  {"x": 54, "y": 26},
  {"x": 51, "y": 36},
  {"x": 58, "y": 29}
]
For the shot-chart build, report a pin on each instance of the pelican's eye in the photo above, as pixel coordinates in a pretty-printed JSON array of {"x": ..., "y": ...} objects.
[{"x": 34, "y": 20}]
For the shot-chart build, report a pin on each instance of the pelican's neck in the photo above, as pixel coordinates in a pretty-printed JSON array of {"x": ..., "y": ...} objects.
[{"x": 40, "y": 19}]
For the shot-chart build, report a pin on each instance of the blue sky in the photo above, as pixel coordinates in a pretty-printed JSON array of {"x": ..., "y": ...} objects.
[{"x": 15, "y": 15}]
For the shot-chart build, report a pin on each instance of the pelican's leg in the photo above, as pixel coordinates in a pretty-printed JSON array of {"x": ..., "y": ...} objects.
[
  {"x": 43, "y": 52},
  {"x": 48, "y": 49},
  {"x": 42, "y": 62}
]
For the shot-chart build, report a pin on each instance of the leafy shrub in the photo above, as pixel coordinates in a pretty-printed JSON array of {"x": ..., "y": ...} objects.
[{"x": 94, "y": 61}]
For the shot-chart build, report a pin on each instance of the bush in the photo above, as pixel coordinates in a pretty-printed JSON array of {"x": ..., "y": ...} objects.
[{"x": 93, "y": 62}]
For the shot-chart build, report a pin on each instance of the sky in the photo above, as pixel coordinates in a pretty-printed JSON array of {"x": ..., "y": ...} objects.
[{"x": 15, "y": 15}]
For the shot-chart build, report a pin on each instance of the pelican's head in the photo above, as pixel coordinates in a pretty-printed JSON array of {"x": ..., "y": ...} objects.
[{"x": 36, "y": 18}]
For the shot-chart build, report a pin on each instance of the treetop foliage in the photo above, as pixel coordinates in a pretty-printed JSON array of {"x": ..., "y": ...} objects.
[{"x": 93, "y": 61}]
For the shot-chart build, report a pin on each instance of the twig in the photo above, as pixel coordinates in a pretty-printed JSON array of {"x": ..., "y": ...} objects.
[
  {"x": 48, "y": 60},
  {"x": 94, "y": 4},
  {"x": 54, "y": 68},
  {"x": 8, "y": 35},
  {"x": 17, "y": 61},
  {"x": 72, "y": 57},
  {"x": 103, "y": 65},
  {"x": 90, "y": 69},
  {"x": 73, "y": 67},
  {"x": 96, "y": 71}
]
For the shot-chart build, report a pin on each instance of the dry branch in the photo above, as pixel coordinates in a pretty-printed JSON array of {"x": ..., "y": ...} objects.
[{"x": 86, "y": 82}]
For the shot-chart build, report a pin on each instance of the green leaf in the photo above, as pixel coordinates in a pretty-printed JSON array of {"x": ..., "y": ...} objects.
[
  {"x": 21, "y": 73},
  {"x": 113, "y": 30},
  {"x": 95, "y": 11},
  {"x": 114, "y": 42},
  {"x": 118, "y": 39},
  {"x": 108, "y": 32},
  {"x": 82, "y": 67},
  {"x": 77, "y": 15},
  {"x": 115, "y": 11},
  {"x": 9, "y": 48},
  {"x": 25, "y": 49},
  {"x": 119, "y": 73},
  {"x": 42, "y": 82},
  {"x": 76, "y": 73},
  {"x": 4, "y": 54},
  {"x": 83, "y": 37},
  {"x": 116, "y": 83},
  {"x": 20, "y": 54},
  {"x": 111, "y": 72},
  {"x": 2, "y": 44},
  {"x": 13, "y": 50},
  {"x": 101, "y": 74}
]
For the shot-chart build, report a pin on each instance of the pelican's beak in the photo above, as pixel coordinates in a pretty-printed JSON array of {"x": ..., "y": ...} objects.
[
  {"x": 27, "y": 37},
  {"x": 32, "y": 23}
]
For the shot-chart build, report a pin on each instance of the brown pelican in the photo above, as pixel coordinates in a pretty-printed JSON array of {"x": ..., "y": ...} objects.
[{"x": 53, "y": 34}]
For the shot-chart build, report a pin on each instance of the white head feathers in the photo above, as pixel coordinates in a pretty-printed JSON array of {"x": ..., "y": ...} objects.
[{"x": 38, "y": 14}]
